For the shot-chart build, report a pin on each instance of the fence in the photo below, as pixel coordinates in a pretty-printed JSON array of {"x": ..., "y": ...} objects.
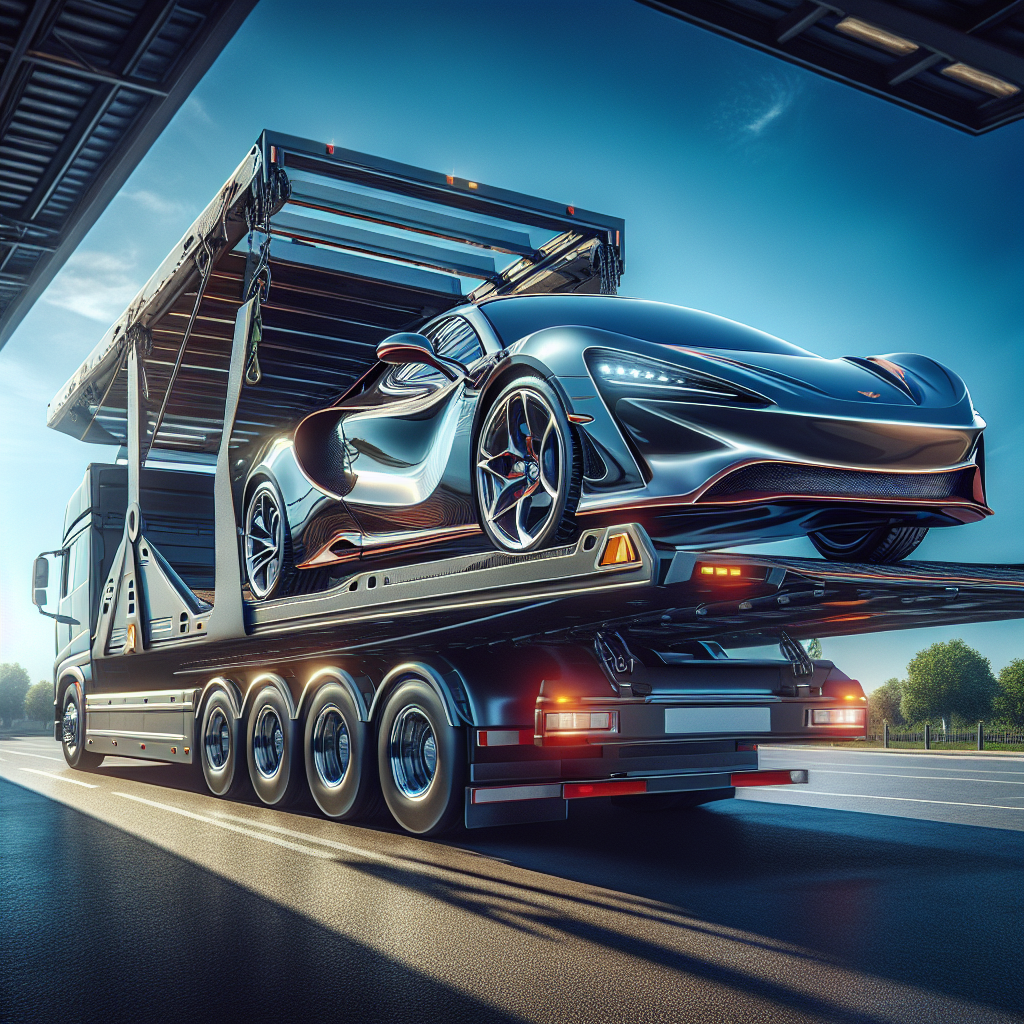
[{"x": 931, "y": 737}]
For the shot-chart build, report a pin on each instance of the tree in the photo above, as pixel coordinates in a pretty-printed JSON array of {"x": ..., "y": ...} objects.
[
  {"x": 1008, "y": 703},
  {"x": 884, "y": 703},
  {"x": 39, "y": 702},
  {"x": 13, "y": 687},
  {"x": 946, "y": 680},
  {"x": 813, "y": 648}
]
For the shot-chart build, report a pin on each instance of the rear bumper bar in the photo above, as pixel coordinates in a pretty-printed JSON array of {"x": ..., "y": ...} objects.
[{"x": 497, "y": 805}]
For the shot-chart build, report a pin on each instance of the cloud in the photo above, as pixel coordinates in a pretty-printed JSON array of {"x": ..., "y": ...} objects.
[
  {"x": 95, "y": 285},
  {"x": 155, "y": 203},
  {"x": 753, "y": 112}
]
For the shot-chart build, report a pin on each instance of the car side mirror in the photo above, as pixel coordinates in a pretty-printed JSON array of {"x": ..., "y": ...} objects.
[
  {"x": 40, "y": 580},
  {"x": 400, "y": 349}
]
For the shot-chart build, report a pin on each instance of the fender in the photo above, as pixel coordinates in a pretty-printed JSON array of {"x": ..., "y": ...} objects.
[
  {"x": 443, "y": 684},
  {"x": 79, "y": 677},
  {"x": 275, "y": 680},
  {"x": 229, "y": 687},
  {"x": 343, "y": 678}
]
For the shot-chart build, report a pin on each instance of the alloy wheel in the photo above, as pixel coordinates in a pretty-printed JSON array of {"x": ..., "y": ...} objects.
[
  {"x": 264, "y": 541},
  {"x": 413, "y": 752},
  {"x": 519, "y": 468}
]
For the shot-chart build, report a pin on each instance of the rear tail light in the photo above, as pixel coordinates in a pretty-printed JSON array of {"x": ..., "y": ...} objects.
[
  {"x": 579, "y": 721},
  {"x": 769, "y": 778},
  {"x": 625, "y": 787},
  {"x": 839, "y": 716}
]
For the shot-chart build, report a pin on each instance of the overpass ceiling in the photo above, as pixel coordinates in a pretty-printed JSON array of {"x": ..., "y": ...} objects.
[
  {"x": 958, "y": 61},
  {"x": 86, "y": 86}
]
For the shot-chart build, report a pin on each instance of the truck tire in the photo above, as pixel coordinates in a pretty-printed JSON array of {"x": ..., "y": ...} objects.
[
  {"x": 883, "y": 545},
  {"x": 272, "y": 750},
  {"x": 73, "y": 731},
  {"x": 658, "y": 802},
  {"x": 527, "y": 468},
  {"x": 421, "y": 760},
  {"x": 221, "y": 741},
  {"x": 339, "y": 754}
]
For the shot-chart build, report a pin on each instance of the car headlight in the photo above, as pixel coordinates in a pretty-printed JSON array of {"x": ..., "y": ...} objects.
[{"x": 623, "y": 372}]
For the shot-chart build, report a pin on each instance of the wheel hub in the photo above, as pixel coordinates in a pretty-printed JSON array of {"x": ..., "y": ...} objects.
[
  {"x": 69, "y": 725},
  {"x": 413, "y": 753}
]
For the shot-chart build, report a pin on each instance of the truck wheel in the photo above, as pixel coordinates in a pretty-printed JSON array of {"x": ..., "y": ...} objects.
[
  {"x": 220, "y": 748},
  {"x": 73, "y": 732},
  {"x": 339, "y": 755},
  {"x": 266, "y": 543},
  {"x": 272, "y": 745},
  {"x": 885, "y": 544},
  {"x": 527, "y": 468},
  {"x": 421, "y": 760}
]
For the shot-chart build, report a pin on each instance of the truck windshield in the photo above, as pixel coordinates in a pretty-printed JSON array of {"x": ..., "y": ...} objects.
[{"x": 658, "y": 322}]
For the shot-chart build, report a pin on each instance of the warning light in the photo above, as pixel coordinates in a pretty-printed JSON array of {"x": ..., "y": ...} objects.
[
  {"x": 472, "y": 184},
  {"x": 129, "y": 643},
  {"x": 330, "y": 149},
  {"x": 619, "y": 550},
  {"x": 721, "y": 570},
  {"x": 571, "y": 210},
  {"x": 450, "y": 178}
]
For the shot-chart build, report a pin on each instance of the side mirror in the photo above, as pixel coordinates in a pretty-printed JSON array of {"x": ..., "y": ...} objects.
[
  {"x": 400, "y": 349},
  {"x": 40, "y": 580}
]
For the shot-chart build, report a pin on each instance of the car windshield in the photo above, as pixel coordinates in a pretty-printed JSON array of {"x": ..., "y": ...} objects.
[{"x": 657, "y": 322}]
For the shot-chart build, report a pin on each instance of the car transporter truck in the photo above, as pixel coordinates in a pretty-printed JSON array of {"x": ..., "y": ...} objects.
[{"x": 447, "y": 683}]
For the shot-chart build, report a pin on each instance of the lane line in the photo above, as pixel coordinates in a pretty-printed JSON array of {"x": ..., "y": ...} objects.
[
  {"x": 321, "y": 854},
  {"x": 926, "y": 778},
  {"x": 883, "y": 752},
  {"x": 59, "y": 778},
  {"x": 869, "y": 796},
  {"x": 332, "y": 843},
  {"x": 25, "y": 753},
  {"x": 912, "y": 767}
]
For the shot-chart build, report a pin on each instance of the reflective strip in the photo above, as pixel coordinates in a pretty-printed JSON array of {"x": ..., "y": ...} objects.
[
  {"x": 501, "y": 794},
  {"x": 504, "y": 737},
  {"x": 624, "y": 787},
  {"x": 769, "y": 778}
]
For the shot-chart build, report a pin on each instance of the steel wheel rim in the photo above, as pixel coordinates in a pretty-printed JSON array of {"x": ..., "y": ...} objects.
[
  {"x": 520, "y": 468},
  {"x": 268, "y": 742},
  {"x": 332, "y": 746},
  {"x": 217, "y": 740},
  {"x": 69, "y": 726},
  {"x": 264, "y": 541},
  {"x": 413, "y": 753}
]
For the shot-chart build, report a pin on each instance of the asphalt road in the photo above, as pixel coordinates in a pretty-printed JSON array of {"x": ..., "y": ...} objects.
[{"x": 890, "y": 888}]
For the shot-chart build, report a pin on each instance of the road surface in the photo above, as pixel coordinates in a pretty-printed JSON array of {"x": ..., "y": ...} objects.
[{"x": 890, "y": 888}]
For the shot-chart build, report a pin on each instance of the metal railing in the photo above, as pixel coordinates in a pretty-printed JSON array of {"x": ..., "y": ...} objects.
[{"x": 931, "y": 737}]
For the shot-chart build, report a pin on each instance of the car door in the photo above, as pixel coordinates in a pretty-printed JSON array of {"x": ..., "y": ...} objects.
[{"x": 406, "y": 453}]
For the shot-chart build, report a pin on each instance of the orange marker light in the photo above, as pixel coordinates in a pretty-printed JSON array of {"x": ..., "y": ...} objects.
[
  {"x": 450, "y": 178},
  {"x": 619, "y": 551}
]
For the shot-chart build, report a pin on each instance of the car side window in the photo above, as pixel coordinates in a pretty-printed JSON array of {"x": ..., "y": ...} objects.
[{"x": 453, "y": 337}]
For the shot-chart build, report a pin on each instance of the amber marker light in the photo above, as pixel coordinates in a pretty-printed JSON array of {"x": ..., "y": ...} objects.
[{"x": 618, "y": 550}]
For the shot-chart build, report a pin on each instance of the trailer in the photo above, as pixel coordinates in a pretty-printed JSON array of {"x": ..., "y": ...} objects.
[{"x": 448, "y": 683}]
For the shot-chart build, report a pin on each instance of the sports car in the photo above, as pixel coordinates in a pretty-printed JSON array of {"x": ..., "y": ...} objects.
[{"x": 514, "y": 423}]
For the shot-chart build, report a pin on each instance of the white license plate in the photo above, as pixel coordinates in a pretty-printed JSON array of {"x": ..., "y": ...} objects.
[{"x": 719, "y": 720}]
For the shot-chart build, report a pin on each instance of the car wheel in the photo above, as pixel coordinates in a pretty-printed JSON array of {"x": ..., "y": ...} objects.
[
  {"x": 267, "y": 546},
  {"x": 72, "y": 728},
  {"x": 883, "y": 544},
  {"x": 272, "y": 743},
  {"x": 421, "y": 760},
  {"x": 340, "y": 755},
  {"x": 221, "y": 742},
  {"x": 527, "y": 468},
  {"x": 657, "y": 802}
]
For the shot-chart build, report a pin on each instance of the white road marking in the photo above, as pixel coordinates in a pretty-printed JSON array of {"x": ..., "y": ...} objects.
[
  {"x": 912, "y": 767},
  {"x": 59, "y": 778},
  {"x": 927, "y": 778},
  {"x": 25, "y": 753},
  {"x": 322, "y": 854},
  {"x": 902, "y": 799},
  {"x": 333, "y": 844},
  {"x": 888, "y": 753}
]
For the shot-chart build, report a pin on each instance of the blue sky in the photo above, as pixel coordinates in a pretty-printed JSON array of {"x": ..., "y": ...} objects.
[{"x": 750, "y": 188}]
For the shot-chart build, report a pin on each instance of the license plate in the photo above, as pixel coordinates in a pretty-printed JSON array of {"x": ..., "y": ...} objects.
[{"x": 718, "y": 720}]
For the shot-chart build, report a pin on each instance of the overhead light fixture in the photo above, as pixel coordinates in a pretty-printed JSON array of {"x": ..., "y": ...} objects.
[
  {"x": 875, "y": 36},
  {"x": 981, "y": 80}
]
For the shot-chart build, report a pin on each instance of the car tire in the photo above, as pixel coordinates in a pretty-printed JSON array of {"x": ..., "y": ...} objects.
[
  {"x": 658, "y": 802},
  {"x": 885, "y": 544},
  {"x": 266, "y": 543},
  {"x": 340, "y": 756},
  {"x": 272, "y": 750},
  {"x": 72, "y": 717},
  {"x": 421, "y": 760},
  {"x": 527, "y": 444},
  {"x": 220, "y": 743}
]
